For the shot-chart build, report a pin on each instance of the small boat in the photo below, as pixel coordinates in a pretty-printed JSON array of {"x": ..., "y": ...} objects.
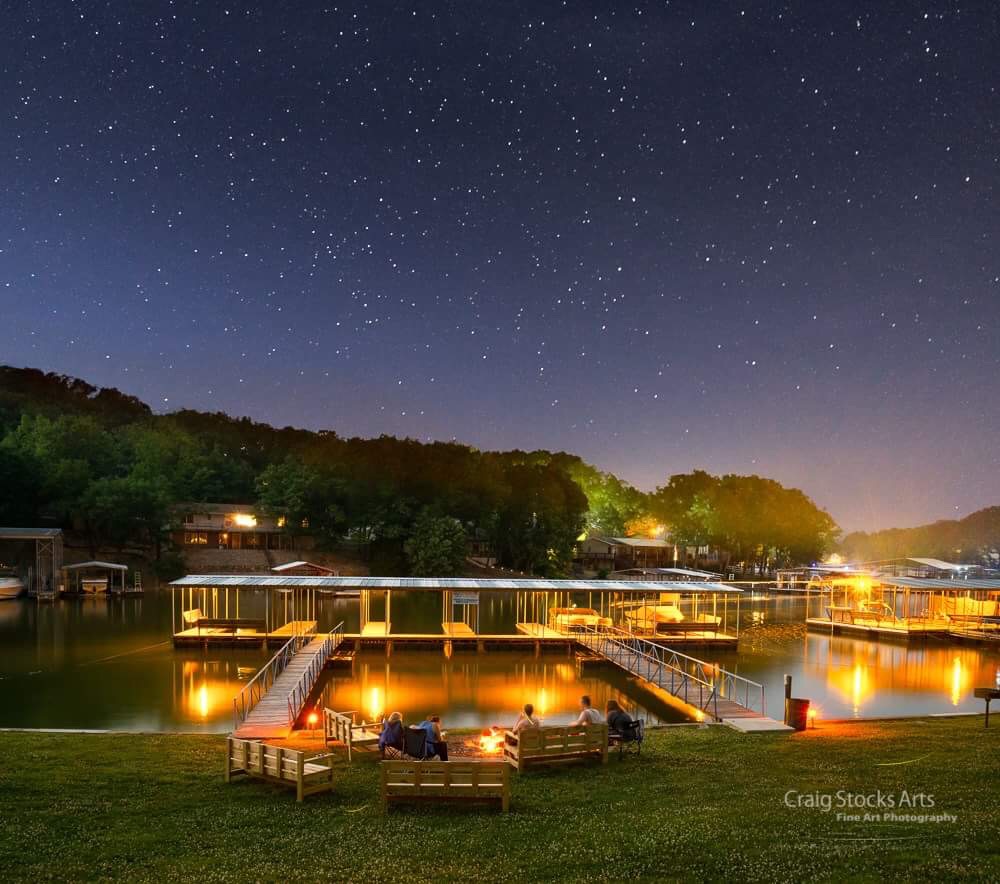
[
  {"x": 11, "y": 586},
  {"x": 93, "y": 585}
]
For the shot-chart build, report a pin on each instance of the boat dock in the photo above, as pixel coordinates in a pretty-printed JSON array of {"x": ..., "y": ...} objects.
[
  {"x": 233, "y": 632},
  {"x": 632, "y": 624},
  {"x": 901, "y": 607}
]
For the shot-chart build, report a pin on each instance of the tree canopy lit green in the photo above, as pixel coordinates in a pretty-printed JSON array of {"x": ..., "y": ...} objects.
[{"x": 103, "y": 463}]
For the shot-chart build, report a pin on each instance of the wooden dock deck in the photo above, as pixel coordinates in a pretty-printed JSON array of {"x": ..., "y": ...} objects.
[
  {"x": 219, "y": 636},
  {"x": 457, "y": 629},
  {"x": 459, "y": 637},
  {"x": 538, "y": 630},
  {"x": 900, "y": 631}
]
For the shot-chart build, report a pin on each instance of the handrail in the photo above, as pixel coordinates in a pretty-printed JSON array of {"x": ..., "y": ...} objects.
[
  {"x": 687, "y": 675},
  {"x": 254, "y": 690},
  {"x": 298, "y": 695}
]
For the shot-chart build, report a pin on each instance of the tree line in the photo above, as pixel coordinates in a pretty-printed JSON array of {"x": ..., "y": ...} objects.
[
  {"x": 103, "y": 462},
  {"x": 975, "y": 538}
]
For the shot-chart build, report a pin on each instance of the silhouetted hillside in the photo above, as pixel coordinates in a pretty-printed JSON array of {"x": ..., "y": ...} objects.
[{"x": 973, "y": 539}]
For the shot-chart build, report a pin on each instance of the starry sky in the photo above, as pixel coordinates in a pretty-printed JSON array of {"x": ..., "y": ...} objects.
[{"x": 744, "y": 237}]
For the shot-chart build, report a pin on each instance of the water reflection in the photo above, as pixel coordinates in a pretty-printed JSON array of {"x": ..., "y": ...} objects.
[
  {"x": 473, "y": 690},
  {"x": 103, "y": 663},
  {"x": 205, "y": 689},
  {"x": 852, "y": 677}
]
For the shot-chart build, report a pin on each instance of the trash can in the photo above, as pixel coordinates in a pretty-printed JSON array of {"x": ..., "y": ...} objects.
[{"x": 797, "y": 713}]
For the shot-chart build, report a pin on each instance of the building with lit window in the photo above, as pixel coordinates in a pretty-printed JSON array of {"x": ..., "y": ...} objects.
[{"x": 233, "y": 526}]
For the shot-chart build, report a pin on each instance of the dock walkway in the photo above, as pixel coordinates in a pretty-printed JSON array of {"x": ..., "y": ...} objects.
[
  {"x": 268, "y": 710},
  {"x": 714, "y": 692}
]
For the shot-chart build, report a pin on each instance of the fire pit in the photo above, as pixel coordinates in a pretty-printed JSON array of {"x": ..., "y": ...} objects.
[
  {"x": 491, "y": 741},
  {"x": 488, "y": 743}
]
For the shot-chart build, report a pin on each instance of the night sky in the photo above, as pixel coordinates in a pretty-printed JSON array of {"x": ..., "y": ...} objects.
[{"x": 756, "y": 237}]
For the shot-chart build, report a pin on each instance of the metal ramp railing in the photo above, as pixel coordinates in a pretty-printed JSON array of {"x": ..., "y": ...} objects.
[
  {"x": 298, "y": 695},
  {"x": 698, "y": 683}
]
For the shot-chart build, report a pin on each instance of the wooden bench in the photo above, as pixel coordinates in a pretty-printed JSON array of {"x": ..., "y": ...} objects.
[
  {"x": 232, "y": 625},
  {"x": 688, "y": 626},
  {"x": 339, "y": 727},
  {"x": 471, "y": 781},
  {"x": 275, "y": 764},
  {"x": 541, "y": 745}
]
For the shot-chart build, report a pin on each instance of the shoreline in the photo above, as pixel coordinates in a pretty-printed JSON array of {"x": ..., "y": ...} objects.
[{"x": 877, "y": 719}]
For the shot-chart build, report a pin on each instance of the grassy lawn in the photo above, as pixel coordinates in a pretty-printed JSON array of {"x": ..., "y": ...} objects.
[{"x": 701, "y": 803}]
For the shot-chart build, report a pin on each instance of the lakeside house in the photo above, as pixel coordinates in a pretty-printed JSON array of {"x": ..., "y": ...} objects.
[
  {"x": 233, "y": 526},
  {"x": 601, "y": 553}
]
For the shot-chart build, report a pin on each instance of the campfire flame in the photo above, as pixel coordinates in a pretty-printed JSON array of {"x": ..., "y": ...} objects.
[{"x": 491, "y": 741}]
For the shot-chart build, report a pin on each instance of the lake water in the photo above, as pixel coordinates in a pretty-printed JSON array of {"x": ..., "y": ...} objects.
[{"x": 99, "y": 663}]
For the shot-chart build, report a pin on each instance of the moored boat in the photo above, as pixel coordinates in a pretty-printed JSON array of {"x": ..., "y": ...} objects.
[{"x": 11, "y": 586}]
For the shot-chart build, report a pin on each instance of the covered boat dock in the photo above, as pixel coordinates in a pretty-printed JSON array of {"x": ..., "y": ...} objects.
[
  {"x": 905, "y": 607},
  {"x": 88, "y": 578},
  {"x": 215, "y": 608},
  {"x": 220, "y": 609},
  {"x": 43, "y": 575}
]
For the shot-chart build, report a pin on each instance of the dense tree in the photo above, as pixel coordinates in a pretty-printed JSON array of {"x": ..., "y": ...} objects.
[
  {"x": 436, "y": 547},
  {"x": 121, "y": 510},
  {"x": 20, "y": 484},
  {"x": 101, "y": 461},
  {"x": 755, "y": 521},
  {"x": 304, "y": 498}
]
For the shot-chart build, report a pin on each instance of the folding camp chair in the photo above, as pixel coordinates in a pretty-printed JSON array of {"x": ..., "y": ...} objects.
[
  {"x": 631, "y": 737},
  {"x": 415, "y": 743}
]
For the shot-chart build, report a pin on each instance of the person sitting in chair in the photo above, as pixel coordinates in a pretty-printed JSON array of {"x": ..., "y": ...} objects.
[
  {"x": 390, "y": 741},
  {"x": 588, "y": 714},
  {"x": 436, "y": 744},
  {"x": 618, "y": 719},
  {"x": 526, "y": 719}
]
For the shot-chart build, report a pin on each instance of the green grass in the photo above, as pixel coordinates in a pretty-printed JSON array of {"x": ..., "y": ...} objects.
[{"x": 701, "y": 803}]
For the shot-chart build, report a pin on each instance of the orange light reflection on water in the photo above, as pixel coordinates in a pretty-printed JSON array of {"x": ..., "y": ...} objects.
[
  {"x": 872, "y": 668},
  {"x": 419, "y": 684},
  {"x": 207, "y": 688}
]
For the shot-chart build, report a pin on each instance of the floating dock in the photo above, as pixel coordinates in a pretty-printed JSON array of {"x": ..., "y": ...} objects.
[{"x": 235, "y": 633}]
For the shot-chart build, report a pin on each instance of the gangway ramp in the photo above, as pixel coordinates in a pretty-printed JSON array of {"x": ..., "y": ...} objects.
[
  {"x": 272, "y": 700},
  {"x": 716, "y": 693}
]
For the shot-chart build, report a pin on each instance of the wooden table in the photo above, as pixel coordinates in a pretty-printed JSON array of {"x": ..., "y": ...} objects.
[{"x": 987, "y": 694}]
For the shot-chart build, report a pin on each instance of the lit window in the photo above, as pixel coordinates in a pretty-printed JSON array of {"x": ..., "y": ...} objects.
[
  {"x": 244, "y": 520},
  {"x": 305, "y": 523},
  {"x": 281, "y": 521},
  {"x": 196, "y": 538}
]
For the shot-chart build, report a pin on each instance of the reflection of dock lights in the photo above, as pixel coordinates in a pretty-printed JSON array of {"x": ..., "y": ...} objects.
[{"x": 374, "y": 703}]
